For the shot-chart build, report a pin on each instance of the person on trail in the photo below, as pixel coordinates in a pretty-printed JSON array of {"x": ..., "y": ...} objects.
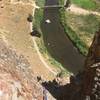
[{"x": 44, "y": 94}]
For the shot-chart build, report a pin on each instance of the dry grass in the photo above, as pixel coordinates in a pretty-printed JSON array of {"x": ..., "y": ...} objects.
[{"x": 85, "y": 26}]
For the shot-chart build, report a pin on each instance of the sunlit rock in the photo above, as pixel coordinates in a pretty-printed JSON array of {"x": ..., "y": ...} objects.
[{"x": 48, "y": 21}]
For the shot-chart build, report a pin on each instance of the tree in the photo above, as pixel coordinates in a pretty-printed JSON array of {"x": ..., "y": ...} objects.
[
  {"x": 91, "y": 82},
  {"x": 67, "y": 4}
]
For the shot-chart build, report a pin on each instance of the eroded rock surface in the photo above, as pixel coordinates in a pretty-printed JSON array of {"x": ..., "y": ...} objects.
[{"x": 17, "y": 82}]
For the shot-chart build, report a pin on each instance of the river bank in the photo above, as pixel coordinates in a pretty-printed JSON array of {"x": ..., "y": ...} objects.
[
  {"x": 80, "y": 27},
  {"x": 38, "y": 17},
  {"x": 57, "y": 43},
  {"x": 82, "y": 48}
]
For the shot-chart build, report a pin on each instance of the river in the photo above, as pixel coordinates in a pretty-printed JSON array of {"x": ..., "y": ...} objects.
[{"x": 59, "y": 46}]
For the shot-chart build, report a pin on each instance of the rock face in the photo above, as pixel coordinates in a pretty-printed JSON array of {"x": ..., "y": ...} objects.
[
  {"x": 17, "y": 82},
  {"x": 92, "y": 71}
]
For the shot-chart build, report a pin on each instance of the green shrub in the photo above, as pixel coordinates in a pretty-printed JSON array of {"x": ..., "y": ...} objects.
[{"x": 72, "y": 35}]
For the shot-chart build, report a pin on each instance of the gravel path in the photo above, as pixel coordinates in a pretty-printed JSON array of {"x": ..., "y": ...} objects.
[{"x": 77, "y": 10}]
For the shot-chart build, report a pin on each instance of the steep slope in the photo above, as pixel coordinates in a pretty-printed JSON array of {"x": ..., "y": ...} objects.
[{"x": 17, "y": 82}]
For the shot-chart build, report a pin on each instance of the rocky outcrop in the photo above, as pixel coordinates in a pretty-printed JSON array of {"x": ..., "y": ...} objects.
[
  {"x": 17, "y": 82},
  {"x": 91, "y": 84}
]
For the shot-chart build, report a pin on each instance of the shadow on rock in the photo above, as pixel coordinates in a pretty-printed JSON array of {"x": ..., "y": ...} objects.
[{"x": 70, "y": 91}]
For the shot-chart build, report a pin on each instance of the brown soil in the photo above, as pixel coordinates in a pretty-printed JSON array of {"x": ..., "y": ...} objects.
[{"x": 15, "y": 30}]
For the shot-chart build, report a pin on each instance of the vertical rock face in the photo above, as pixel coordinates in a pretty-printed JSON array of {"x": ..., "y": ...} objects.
[
  {"x": 17, "y": 82},
  {"x": 92, "y": 71}
]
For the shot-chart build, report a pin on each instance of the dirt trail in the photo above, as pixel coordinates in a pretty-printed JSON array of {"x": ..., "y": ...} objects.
[
  {"x": 13, "y": 19},
  {"x": 77, "y": 10},
  {"x": 39, "y": 54}
]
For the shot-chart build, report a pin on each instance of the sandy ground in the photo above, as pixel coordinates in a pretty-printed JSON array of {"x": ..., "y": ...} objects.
[{"x": 15, "y": 30}]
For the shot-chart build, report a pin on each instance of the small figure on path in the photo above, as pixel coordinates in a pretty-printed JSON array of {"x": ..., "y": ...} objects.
[
  {"x": 30, "y": 18},
  {"x": 67, "y": 4}
]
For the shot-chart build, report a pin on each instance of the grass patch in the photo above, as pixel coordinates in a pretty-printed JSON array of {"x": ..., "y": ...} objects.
[
  {"x": 72, "y": 34},
  {"x": 40, "y": 2},
  {"x": 61, "y": 2},
  {"x": 87, "y": 4},
  {"x": 38, "y": 16},
  {"x": 80, "y": 28},
  {"x": 87, "y": 25}
]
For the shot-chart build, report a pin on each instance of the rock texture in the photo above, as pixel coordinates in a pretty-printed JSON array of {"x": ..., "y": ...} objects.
[
  {"x": 17, "y": 82},
  {"x": 92, "y": 71}
]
